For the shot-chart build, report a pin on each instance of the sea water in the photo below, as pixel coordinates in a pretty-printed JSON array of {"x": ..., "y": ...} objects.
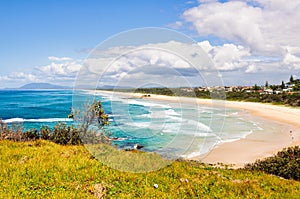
[
  {"x": 169, "y": 128},
  {"x": 35, "y": 108}
]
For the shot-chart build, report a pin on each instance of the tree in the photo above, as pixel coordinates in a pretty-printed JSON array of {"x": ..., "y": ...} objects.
[
  {"x": 92, "y": 122},
  {"x": 100, "y": 115},
  {"x": 274, "y": 87},
  {"x": 282, "y": 85},
  {"x": 291, "y": 79},
  {"x": 256, "y": 88},
  {"x": 267, "y": 84}
]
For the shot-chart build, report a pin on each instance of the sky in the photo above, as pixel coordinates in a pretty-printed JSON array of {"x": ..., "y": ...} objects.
[{"x": 250, "y": 42}]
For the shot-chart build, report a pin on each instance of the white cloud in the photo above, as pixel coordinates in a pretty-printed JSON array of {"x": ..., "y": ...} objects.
[
  {"x": 227, "y": 56},
  {"x": 171, "y": 63},
  {"x": 19, "y": 77},
  {"x": 190, "y": 2},
  {"x": 291, "y": 61},
  {"x": 206, "y": 1},
  {"x": 254, "y": 38},
  {"x": 267, "y": 28},
  {"x": 251, "y": 69},
  {"x": 58, "y": 71},
  {"x": 175, "y": 25},
  {"x": 59, "y": 59}
]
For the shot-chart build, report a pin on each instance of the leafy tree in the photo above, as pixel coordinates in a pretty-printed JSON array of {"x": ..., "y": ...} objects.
[
  {"x": 282, "y": 85},
  {"x": 256, "y": 88},
  {"x": 267, "y": 84},
  {"x": 274, "y": 87},
  {"x": 99, "y": 113},
  {"x": 296, "y": 87},
  {"x": 92, "y": 122},
  {"x": 291, "y": 79}
]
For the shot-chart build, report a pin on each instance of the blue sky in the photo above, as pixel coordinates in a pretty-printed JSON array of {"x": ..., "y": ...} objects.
[
  {"x": 32, "y": 30},
  {"x": 251, "y": 39}
]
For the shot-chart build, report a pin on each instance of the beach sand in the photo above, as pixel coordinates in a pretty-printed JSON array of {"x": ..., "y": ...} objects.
[{"x": 256, "y": 145}]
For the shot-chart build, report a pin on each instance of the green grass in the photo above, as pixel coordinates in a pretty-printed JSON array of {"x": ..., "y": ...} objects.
[
  {"x": 128, "y": 161},
  {"x": 44, "y": 169}
]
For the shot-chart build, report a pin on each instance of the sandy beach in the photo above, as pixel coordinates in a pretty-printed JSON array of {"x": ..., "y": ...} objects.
[{"x": 256, "y": 145}]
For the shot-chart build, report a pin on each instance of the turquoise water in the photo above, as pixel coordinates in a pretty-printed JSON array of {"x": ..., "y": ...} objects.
[
  {"x": 170, "y": 128},
  {"x": 35, "y": 108}
]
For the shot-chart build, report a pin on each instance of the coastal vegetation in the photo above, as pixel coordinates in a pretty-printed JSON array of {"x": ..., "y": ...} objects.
[
  {"x": 61, "y": 133},
  {"x": 285, "y": 163},
  {"x": 282, "y": 94},
  {"x": 43, "y": 169},
  {"x": 291, "y": 99}
]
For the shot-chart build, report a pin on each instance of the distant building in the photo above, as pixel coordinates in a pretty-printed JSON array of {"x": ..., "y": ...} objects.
[{"x": 268, "y": 91}]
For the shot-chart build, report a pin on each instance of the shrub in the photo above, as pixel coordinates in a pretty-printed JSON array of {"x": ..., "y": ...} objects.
[
  {"x": 31, "y": 134},
  {"x": 13, "y": 132},
  {"x": 45, "y": 133},
  {"x": 285, "y": 163}
]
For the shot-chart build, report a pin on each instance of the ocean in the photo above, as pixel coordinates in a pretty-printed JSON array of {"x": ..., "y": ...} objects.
[{"x": 170, "y": 128}]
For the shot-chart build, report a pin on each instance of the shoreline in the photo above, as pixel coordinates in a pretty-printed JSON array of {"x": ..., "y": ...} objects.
[{"x": 256, "y": 145}]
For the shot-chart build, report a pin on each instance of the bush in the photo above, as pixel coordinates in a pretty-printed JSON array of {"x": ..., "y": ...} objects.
[
  {"x": 285, "y": 163},
  {"x": 45, "y": 133},
  {"x": 31, "y": 134},
  {"x": 60, "y": 134},
  {"x": 63, "y": 134},
  {"x": 13, "y": 132}
]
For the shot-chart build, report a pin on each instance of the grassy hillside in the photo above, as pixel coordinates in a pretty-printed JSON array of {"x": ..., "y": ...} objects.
[{"x": 43, "y": 169}]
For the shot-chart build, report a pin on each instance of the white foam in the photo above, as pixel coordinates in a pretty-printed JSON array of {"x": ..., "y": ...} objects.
[
  {"x": 18, "y": 120},
  {"x": 205, "y": 135},
  {"x": 199, "y": 125},
  {"x": 171, "y": 112},
  {"x": 145, "y": 103},
  {"x": 139, "y": 124},
  {"x": 196, "y": 153},
  {"x": 242, "y": 136}
]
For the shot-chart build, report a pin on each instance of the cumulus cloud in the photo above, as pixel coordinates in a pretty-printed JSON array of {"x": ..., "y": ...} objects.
[
  {"x": 19, "y": 76},
  {"x": 64, "y": 68},
  {"x": 170, "y": 63},
  {"x": 227, "y": 56},
  {"x": 256, "y": 37},
  {"x": 263, "y": 26},
  {"x": 291, "y": 61},
  {"x": 251, "y": 69},
  {"x": 60, "y": 70}
]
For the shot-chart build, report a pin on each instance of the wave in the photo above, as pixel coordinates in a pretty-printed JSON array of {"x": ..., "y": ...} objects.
[
  {"x": 145, "y": 103},
  {"x": 42, "y": 120},
  {"x": 242, "y": 135}
]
